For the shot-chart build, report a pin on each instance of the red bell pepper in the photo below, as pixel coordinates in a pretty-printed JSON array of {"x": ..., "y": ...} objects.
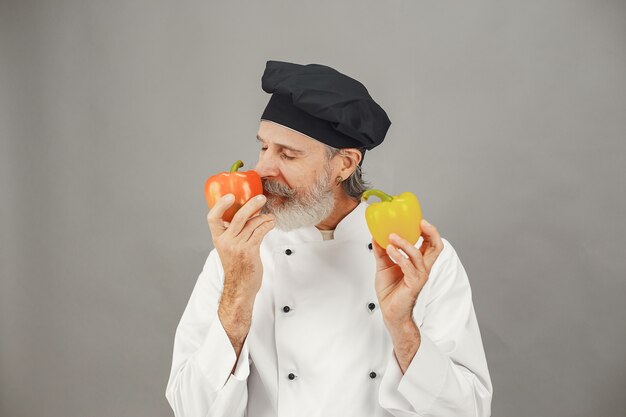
[{"x": 243, "y": 185}]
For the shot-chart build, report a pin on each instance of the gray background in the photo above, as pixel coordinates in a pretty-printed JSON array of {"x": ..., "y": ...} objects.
[{"x": 508, "y": 123}]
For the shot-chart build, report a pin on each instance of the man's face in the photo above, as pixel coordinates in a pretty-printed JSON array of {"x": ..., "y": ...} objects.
[{"x": 297, "y": 178}]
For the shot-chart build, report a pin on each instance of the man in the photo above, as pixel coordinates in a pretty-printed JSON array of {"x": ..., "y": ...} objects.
[{"x": 297, "y": 311}]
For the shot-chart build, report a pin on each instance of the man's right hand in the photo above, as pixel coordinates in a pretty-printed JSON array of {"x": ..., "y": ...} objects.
[{"x": 238, "y": 245}]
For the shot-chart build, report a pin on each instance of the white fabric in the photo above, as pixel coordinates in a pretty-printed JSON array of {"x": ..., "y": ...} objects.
[
  {"x": 330, "y": 340},
  {"x": 327, "y": 234}
]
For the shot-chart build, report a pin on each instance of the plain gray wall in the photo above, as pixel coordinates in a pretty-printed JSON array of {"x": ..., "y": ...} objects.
[{"x": 509, "y": 120}]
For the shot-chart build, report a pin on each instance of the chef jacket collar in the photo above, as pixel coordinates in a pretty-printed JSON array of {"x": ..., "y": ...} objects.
[{"x": 353, "y": 226}]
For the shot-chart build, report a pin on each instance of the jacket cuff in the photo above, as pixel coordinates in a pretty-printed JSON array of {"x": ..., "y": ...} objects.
[
  {"x": 242, "y": 371},
  {"x": 423, "y": 380},
  {"x": 420, "y": 385},
  {"x": 216, "y": 357}
]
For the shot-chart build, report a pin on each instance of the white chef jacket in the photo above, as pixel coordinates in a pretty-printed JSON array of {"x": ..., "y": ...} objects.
[{"x": 318, "y": 346}]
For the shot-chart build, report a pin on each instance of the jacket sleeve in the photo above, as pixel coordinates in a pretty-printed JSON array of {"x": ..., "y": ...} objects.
[
  {"x": 448, "y": 375},
  {"x": 200, "y": 382}
]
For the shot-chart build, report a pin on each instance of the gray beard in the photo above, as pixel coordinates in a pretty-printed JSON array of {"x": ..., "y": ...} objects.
[{"x": 295, "y": 208}]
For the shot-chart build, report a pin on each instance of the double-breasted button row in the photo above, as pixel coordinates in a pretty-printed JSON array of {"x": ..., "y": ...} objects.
[
  {"x": 370, "y": 306},
  {"x": 292, "y": 376},
  {"x": 290, "y": 251}
]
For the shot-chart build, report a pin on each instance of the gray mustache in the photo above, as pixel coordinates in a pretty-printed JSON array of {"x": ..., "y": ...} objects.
[{"x": 278, "y": 189}]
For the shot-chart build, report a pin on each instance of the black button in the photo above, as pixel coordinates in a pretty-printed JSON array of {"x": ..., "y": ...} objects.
[
  {"x": 371, "y": 306},
  {"x": 286, "y": 309},
  {"x": 372, "y": 374},
  {"x": 369, "y": 246},
  {"x": 288, "y": 251},
  {"x": 291, "y": 376}
]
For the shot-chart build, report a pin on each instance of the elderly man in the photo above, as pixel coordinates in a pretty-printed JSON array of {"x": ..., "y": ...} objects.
[{"x": 297, "y": 311}]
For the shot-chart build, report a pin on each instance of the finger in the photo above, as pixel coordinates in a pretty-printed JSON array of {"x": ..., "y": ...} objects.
[
  {"x": 244, "y": 213},
  {"x": 413, "y": 253},
  {"x": 214, "y": 218},
  {"x": 431, "y": 236},
  {"x": 252, "y": 224},
  {"x": 380, "y": 255},
  {"x": 217, "y": 227},
  {"x": 403, "y": 261},
  {"x": 259, "y": 233}
]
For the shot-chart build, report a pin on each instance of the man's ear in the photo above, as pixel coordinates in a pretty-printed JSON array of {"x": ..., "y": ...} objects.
[{"x": 351, "y": 158}]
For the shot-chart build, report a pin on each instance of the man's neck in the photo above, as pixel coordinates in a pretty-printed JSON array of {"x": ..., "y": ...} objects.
[{"x": 343, "y": 206}]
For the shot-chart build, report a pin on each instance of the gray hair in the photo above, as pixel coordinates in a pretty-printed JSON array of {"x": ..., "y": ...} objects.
[{"x": 354, "y": 185}]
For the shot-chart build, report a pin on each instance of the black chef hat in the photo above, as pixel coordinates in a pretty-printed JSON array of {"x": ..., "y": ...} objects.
[{"x": 323, "y": 103}]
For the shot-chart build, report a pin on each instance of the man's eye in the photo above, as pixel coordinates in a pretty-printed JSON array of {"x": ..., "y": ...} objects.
[{"x": 282, "y": 155}]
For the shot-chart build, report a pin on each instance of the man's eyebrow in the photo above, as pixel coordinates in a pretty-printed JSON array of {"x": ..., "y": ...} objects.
[{"x": 260, "y": 139}]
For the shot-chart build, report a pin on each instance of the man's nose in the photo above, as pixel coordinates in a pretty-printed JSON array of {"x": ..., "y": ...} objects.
[{"x": 266, "y": 167}]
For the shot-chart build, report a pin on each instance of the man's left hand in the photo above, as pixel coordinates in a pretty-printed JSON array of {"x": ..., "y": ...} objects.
[{"x": 399, "y": 283}]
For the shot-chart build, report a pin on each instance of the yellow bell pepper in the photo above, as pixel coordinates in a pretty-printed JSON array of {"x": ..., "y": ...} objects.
[{"x": 400, "y": 214}]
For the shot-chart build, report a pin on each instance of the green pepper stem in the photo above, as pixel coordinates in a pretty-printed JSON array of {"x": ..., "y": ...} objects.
[
  {"x": 236, "y": 166},
  {"x": 383, "y": 196}
]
